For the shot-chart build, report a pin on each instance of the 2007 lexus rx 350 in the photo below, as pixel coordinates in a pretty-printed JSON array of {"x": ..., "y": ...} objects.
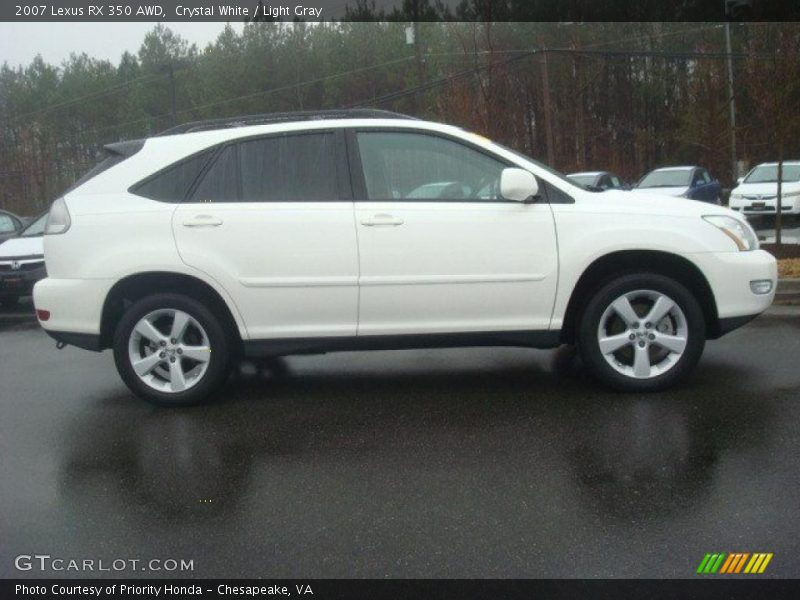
[{"x": 290, "y": 233}]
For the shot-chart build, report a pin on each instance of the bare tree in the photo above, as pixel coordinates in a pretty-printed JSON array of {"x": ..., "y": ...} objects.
[{"x": 772, "y": 68}]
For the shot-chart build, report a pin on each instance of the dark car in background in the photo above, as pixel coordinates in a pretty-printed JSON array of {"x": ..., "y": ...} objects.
[
  {"x": 22, "y": 262},
  {"x": 10, "y": 225},
  {"x": 599, "y": 180},
  {"x": 692, "y": 182}
]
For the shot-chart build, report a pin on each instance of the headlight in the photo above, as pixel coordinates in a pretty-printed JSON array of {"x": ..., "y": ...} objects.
[
  {"x": 58, "y": 220},
  {"x": 740, "y": 232},
  {"x": 736, "y": 196},
  {"x": 790, "y": 194}
]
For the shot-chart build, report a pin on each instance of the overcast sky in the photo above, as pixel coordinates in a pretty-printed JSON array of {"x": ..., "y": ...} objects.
[{"x": 20, "y": 42}]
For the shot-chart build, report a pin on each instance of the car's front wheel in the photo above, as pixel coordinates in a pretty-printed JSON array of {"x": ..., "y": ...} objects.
[
  {"x": 171, "y": 350},
  {"x": 642, "y": 332}
]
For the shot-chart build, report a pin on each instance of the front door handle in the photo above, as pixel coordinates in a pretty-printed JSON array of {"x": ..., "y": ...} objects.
[
  {"x": 202, "y": 221},
  {"x": 382, "y": 220}
]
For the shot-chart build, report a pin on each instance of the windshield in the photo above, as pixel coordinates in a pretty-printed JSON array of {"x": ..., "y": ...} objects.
[
  {"x": 582, "y": 179},
  {"x": 769, "y": 174},
  {"x": 35, "y": 228},
  {"x": 671, "y": 178}
]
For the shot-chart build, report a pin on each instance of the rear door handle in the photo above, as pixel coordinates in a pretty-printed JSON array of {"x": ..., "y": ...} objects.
[
  {"x": 382, "y": 220},
  {"x": 202, "y": 221}
]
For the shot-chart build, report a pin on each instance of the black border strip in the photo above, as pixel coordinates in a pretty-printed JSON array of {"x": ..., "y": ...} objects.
[
  {"x": 707, "y": 588},
  {"x": 398, "y": 10}
]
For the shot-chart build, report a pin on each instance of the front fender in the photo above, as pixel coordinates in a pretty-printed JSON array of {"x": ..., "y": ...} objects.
[{"x": 583, "y": 239}]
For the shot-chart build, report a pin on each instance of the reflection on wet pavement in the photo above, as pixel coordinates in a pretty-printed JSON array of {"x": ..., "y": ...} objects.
[{"x": 453, "y": 463}]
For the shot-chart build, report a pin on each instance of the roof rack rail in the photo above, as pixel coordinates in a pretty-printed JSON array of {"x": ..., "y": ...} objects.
[{"x": 282, "y": 117}]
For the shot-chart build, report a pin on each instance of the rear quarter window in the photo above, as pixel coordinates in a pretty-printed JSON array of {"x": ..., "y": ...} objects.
[{"x": 173, "y": 183}]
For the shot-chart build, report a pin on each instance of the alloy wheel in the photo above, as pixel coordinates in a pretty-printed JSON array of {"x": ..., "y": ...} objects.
[
  {"x": 643, "y": 334},
  {"x": 169, "y": 350}
]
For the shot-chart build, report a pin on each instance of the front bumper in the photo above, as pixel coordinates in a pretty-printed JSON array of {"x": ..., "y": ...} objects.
[
  {"x": 730, "y": 274},
  {"x": 748, "y": 206},
  {"x": 727, "y": 325},
  {"x": 20, "y": 282}
]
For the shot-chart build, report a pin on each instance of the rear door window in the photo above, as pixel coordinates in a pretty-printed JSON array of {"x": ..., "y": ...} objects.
[
  {"x": 221, "y": 181},
  {"x": 291, "y": 168}
]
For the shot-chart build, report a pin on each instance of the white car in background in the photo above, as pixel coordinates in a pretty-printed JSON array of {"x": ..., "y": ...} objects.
[
  {"x": 10, "y": 225},
  {"x": 757, "y": 192},
  {"x": 365, "y": 230},
  {"x": 22, "y": 262}
]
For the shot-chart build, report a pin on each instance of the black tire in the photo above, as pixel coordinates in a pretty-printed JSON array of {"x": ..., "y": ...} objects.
[
  {"x": 589, "y": 322},
  {"x": 219, "y": 362}
]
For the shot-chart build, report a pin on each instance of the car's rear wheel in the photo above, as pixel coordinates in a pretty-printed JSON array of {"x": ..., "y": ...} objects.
[
  {"x": 642, "y": 332},
  {"x": 171, "y": 350}
]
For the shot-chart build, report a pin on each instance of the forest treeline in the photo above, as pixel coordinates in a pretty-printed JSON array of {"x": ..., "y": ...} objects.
[{"x": 626, "y": 97}]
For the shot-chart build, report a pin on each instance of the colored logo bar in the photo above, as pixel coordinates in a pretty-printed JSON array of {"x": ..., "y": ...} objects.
[{"x": 734, "y": 563}]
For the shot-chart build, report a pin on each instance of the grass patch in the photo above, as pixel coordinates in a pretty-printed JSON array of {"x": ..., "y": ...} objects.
[{"x": 789, "y": 267}]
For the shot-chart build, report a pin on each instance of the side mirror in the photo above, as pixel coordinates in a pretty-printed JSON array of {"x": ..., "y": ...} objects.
[
  {"x": 739, "y": 180},
  {"x": 518, "y": 185}
]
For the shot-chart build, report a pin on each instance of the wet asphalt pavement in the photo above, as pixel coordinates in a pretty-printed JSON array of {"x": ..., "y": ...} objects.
[{"x": 447, "y": 463}]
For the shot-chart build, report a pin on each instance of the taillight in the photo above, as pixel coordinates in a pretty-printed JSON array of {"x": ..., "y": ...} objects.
[
  {"x": 43, "y": 315},
  {"x": 58, "y": 220}
]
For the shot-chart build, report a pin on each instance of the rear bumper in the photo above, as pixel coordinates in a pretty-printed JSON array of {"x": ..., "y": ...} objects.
[
  {"x": 75, "y": 305},
  {"x": 789, "y": 206},
  {"x": 87, "y": 341}
]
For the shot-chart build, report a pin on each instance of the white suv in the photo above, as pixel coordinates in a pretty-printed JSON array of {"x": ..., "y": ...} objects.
[{"x": 354, "y": 230}]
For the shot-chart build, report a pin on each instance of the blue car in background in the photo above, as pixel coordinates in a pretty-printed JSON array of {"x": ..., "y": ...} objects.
[{"x": 695, "y": 183}]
